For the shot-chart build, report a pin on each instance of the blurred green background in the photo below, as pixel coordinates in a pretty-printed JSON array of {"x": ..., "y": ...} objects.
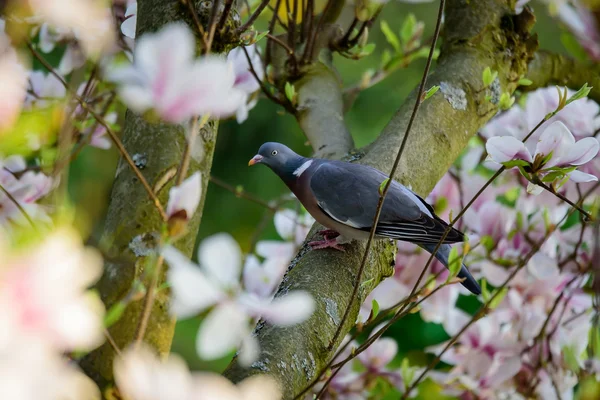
[{"x": 90, "y": 185}]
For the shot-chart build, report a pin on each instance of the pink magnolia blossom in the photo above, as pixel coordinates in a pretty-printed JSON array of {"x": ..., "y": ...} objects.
[
  {"x": 90, "y": 20},
  {"x": 13, "y": 81},
  {"x": 140, "y": 375},
  {"x": 166, "y": 77},
  {"x": 99, "y": 137},
  {"x": 185, "y": 197},
  {"x": 25, "y": 188},
  {"x": 244, "y": 80},
  {"x": 215, "y": 283},
  {"x": 36, "y": 301},
  {"x": 556, "y": 142},
  {"x": 43, "y": 88}
]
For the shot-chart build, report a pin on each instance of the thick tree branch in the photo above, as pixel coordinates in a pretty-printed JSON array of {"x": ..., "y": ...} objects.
[
  {"x": 132, "y": 223},
  {"x": 321, "y": 112},
  {"x": 548, "y": 68},
  {"x": 477, "y": 34}
]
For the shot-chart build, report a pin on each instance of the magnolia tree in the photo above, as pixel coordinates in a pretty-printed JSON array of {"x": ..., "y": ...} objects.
[{"x": 500, "y": 136}]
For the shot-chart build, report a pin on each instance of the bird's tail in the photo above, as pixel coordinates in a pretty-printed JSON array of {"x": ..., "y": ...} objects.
[{"x": 442, "y": 255}]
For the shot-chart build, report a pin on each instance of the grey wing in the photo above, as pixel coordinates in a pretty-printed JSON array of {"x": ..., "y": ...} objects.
[{"x": 349, "y": 194}]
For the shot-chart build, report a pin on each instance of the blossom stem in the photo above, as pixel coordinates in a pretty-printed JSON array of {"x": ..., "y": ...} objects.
[
  {"x": 19, "y": 206},
  {"x": 197, "y": 22},
  {"x": 225, "y": 14},
  {"x": 418, "y": 102},
  {"x": 565, "y": 199}
]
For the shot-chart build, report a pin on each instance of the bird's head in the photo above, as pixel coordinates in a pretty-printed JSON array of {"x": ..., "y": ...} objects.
[{"x": 276, "y": 156}]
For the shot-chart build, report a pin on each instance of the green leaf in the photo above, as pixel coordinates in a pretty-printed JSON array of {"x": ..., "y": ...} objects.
[
  {"x": 406, "y": 372},
  {"x": 382, "y": 186},
  {"x": 374, "y": 308},
  {"x": 391, "y": 36},
  {"x": 432, "y": 90},
  {"x": 485, "y": 292},
  {"x": 487, "y": 241},
  {"x": 408, "y": 28},
  {"x": 367, "y": 282},
  {"x": 488, "y": 76},
  {"x": 290, "y": 92},
  {"x": 454, "y": 264},
  {"x": 524, "y": 82},
  {"x": 114, "y": 313},
  {"x": 552, "y": 176},
  {"x": 386, "y": 57},
  {"x": 498, "y": 299},
  {"x": 580, "y": 94},
  {"x": 570, "y": 358},
  {"x": 506, "y": 101},
  {"x": 367, "y": 49},
  {"x": 516, "y": 163},
  {"x": 260, "y": 36}
]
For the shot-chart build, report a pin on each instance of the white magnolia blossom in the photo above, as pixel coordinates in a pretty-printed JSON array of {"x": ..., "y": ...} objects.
[
  {"x": 128, "y": 26},
  {"x": 185, "y": 197},
  {"x": 216, "y": 283},
  {"x": 167, "y": 78},
  {"x": 140, "y": 375},
  {"x": 43, "y": 88}
]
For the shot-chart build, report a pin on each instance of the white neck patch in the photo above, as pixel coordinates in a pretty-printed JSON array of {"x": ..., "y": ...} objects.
[{"x": 302, "y": 168}]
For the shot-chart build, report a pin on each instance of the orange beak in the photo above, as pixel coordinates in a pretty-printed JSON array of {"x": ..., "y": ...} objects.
[{"x": 256, "y": 159}]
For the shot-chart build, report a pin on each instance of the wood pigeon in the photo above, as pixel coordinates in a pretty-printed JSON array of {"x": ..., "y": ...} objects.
[{"x": 343, "y": 197}]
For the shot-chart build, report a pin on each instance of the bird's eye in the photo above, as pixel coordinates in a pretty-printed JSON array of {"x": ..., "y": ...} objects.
[{"x": 274, "y": 152}]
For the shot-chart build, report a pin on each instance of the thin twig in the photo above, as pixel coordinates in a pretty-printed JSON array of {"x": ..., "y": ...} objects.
[
  {"x": 118, "y": 144},
  {"x": 199, "y": 26},
  {"x": 281, "y": 43},
  {"x": 563, "y": 198},
  {"x": 19, "y": 206},
  {"x": 253, "y": 17},
  {"x": 418, "y": 101},
  {"x": 226, "y": 11},
  {"x": 312, "y": 36},
  {"x": 148, "y": 302},
  {"x": 112, "y": 342},
  {"x": 212, "y": 25},
  {"x": 271, "y": 28},
  {"x": 243, "y": 194}
]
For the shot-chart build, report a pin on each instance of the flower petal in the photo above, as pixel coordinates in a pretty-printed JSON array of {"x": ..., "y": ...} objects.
[
  {"x": 582, "y": 152},
  {"x": 186, "y": 196},
  {"x": 221, "y": 331},
  {"x": 506, "y": 148},
  {"x": 220, "y": 256},
  {"x": 249, "y": 351},
  {"x": 580, "y": 177},
  {"x": 290, "y": 309},
  {"x": 556, "y": 139},
  {"x": 192, "y": 291}
]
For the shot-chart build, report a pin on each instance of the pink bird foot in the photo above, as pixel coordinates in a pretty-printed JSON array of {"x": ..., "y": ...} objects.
[
  {"x": 326, "y": 244},
  {"x": 328, "y": 234}
]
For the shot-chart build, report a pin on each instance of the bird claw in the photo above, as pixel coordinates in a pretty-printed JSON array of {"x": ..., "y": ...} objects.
[
  {"x": 328, "y": 234},
  {"x": 326, "y": 244}
]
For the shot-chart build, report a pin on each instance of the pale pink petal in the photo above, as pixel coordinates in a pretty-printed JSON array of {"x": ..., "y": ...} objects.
[
  {"x": 534, "y": 189},
  {"x": 582, "y": 152},
  {"x": 191, "y": 291},
  {"x": 221, "y": 257},
  {"x": 221, "y": 331},
  {"x": 285, "y": 221},
  {"x": 581, "y": 177},
  {"x": 186, "y": 196},
  {"x": 259, "y": 387},
  {"x": 556, "y": 139},
  {"x": 291, "y": 309},
  {"x": 380, "y": 353},
  {"x": 542, "y": 266},
  {"x": 507, "y": 148}
]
